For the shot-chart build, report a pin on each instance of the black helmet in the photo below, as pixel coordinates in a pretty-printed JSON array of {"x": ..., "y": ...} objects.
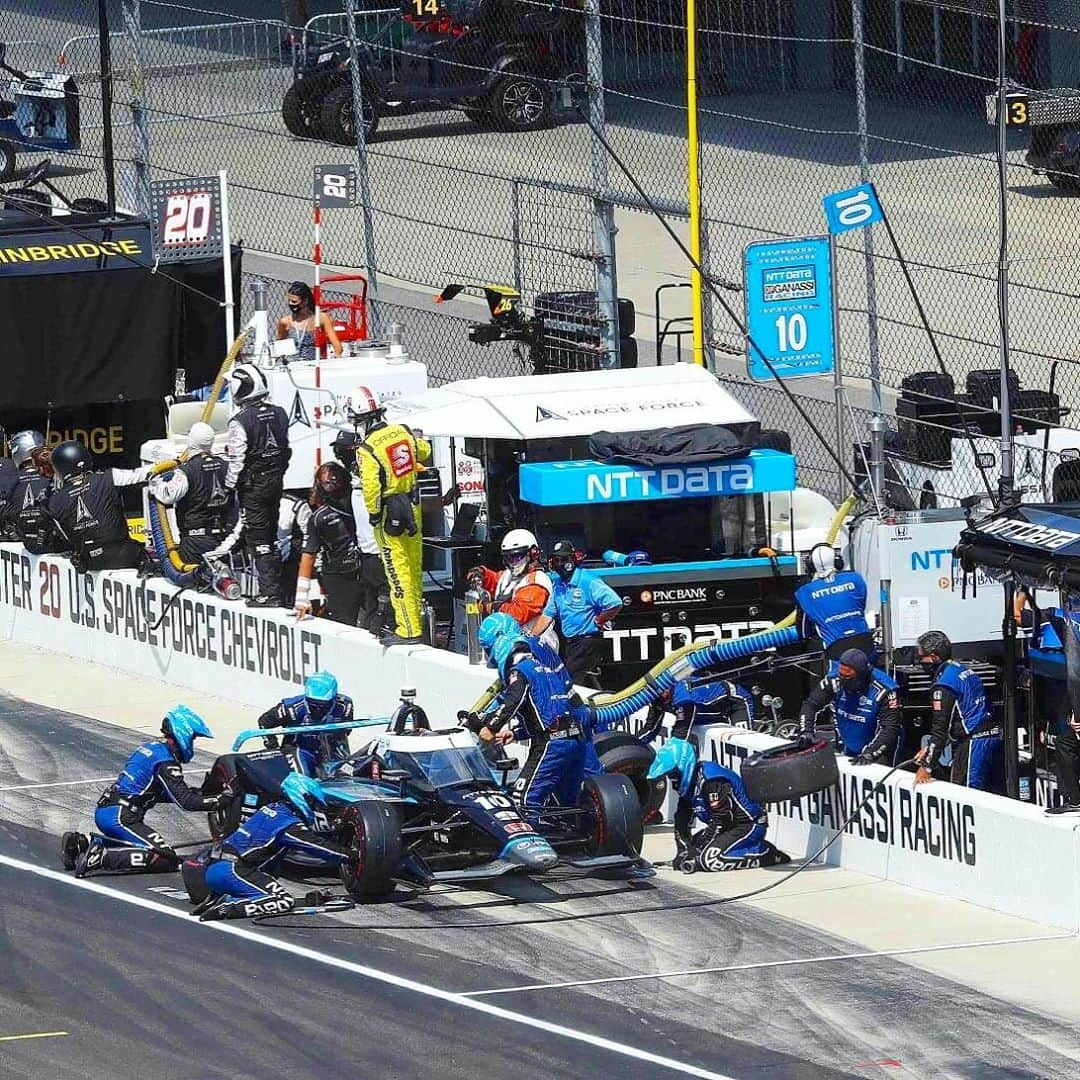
[
  {"x": 345, "y": 446},
  {"x": 936, "y": 643},
  {"x": 71, "y": 458}
]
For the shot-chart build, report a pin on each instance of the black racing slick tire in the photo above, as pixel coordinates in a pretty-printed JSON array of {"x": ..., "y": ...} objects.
[
  {"x": 301, "y": 115},
  {"x": 374, "y": 837},
  {"x": 623, "y": 754},
  {"x": 338, "y": 118},
  {"x": 787, "y": 773},
  {"x": 613, "y": 814},
  {"x": 226, "y": 818}
]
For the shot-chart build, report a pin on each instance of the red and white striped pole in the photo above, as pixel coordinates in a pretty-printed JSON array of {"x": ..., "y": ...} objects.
[{"x": 316, "y": 258}]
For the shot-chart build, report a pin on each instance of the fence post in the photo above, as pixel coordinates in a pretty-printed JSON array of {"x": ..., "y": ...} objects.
[
  {"x": 515, "y": 232},
  {"x": 363, "y": 180},
  {"x": 708, "y": 327},
  {"x": 607, "y": 286},
  {"x": 133, "y": 30}
]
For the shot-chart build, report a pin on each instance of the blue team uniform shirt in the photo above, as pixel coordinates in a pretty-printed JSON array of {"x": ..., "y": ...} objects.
[
  {"x": 835, "y": 606},
  {"x": 577, "y": 602}
]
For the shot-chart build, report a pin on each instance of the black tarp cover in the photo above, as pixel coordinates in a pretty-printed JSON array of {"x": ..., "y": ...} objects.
[
  {"x": 685, "y": 445},
  {"x": 118, "y": 335},
  {"x": 1038, "y": 544}
]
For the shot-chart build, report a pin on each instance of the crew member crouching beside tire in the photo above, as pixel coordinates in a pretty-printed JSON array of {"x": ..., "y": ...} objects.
[{"x": 733, "y": 837}]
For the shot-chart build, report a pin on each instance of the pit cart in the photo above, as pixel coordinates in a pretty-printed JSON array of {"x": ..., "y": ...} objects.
[
  {"x": 39, "y": 110},
  {"x": 498, "y": 61}
]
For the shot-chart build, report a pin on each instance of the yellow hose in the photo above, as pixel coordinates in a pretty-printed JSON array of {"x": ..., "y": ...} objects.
[
  {"x": 673, "y": 658},
  {"x": 172, "y": 553},
  {"x": 219, "y": 382}
]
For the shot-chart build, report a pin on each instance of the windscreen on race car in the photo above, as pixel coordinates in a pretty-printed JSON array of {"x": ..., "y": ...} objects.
[{"x": 441, "y": 768}]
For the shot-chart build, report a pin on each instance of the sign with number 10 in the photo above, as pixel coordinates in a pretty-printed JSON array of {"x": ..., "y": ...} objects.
[{"x": 788, "y": 288}]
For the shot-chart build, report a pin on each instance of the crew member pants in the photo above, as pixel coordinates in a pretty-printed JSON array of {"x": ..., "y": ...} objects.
[
  {"x": 582, "y": 656},
  {"x": 120, "y": 555},
  {"x": 553, "y": 772},
  {"x": 979, "y": 762},
  {"x": 260, "y": 499},
  {"x": 131, "y": 845},
  {"x": 402, "y": 559}
]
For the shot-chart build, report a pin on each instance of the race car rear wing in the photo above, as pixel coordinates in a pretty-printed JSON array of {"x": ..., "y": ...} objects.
[{"x": 307, "y": 729}]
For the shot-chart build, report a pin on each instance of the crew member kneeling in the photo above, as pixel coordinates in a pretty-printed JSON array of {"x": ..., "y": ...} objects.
[
  {"x": 87, "y": 508},
  {"x": 240, "y": 887},
  {"x": 734, "y": 834},
  {"x": 962, "y": 716},
  {"x": 153, "y": 774}
]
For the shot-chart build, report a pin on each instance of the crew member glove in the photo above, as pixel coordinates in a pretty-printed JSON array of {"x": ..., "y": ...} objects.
[
  {"x": 805, "y": 739},
  {"x": 470, "y": 720}
]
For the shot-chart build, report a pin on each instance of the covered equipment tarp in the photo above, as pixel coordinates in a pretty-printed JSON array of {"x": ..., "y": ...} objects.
[{"x": 687, "y": 445}]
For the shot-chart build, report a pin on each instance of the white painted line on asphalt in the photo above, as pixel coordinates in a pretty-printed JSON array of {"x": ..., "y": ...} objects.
[
  {"x": 450, "y": 997},
  {"x": 767, "y": 964},
  {"x": 59, "y": 783},
  {"x": 32, "y": 1035}
]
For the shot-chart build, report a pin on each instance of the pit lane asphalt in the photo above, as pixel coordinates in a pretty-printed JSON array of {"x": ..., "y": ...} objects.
[{"x": 143, "y": 993}]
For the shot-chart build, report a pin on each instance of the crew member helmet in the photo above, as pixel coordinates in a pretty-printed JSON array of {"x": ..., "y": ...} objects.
[
  {"x": 304, "y": 794},
  {"x": 184, "y": 726},
  {"x": 365, "y": 407},
  {"x": 676, "y": 758},
  {"x": 247, "y": 383},
  {"x": 321, "y": 691},
  {"x": 823, "y": 560},
  {"x": 519, "y": 547},
  {"x": 71, "y": 458},
  {"x": 200, "y": 438},
  {"x": 22, "y": 444}
]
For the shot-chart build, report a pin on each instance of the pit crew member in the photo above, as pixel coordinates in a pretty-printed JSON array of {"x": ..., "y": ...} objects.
[
  {"x": 832, "y": 605},
  {"x": 205, "y": 508},
  {"x": 240, "y": 886},
  {"x": 86, "y": 507},
  {"x": 700, "y": 700},
  {"x": 865, "y": 703},
  {"x": 320, "y": 703},
  {"x": 23, "y": 509},
  {"x": 960, "y": 715},
  {"x": 153, "y": 774},
  {"x": 522, "y": 589},
  {"x": 734, "y": 834},
  {"x": 583, "y": 605},
  {"x": 389, "y": 460}
]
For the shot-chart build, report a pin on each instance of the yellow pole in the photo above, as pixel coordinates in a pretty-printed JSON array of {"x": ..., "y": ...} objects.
[{"x": 693, "y": 182}]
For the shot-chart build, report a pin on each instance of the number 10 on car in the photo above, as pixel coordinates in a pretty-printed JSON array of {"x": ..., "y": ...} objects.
[{"x": 788, "y": 291}]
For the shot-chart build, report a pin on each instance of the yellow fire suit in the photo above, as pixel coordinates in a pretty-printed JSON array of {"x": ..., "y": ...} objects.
[{"x": 389, "y": 460}]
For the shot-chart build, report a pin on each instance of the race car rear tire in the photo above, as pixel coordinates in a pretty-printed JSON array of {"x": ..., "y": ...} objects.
[
  {"x": 225, "y": 819},
  {"x": 621, "y": 753},
  {"x": 7, "y": 161},
  {"x": 301, "y": 115},
  {"x": 786, "y": 773},
  {"x": 519, "y": 103},
  {"x": 614, "y": 814},
  {"x": 337, "y": 119},
  {"x": 374, "y": 837}
]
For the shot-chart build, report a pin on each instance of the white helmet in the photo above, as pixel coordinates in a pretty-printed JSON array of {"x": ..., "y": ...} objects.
[
  {"x": 247, "y": 383},
  {"x": 365, "y": 408},
  {"x": 519, "y": 547},
  {"x": 823, "y": 560},
  {"x": 22, "y": 443},
  {"x": 200, "y": 437}
]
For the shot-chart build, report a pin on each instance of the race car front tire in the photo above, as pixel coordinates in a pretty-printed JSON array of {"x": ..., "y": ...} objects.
[
  {"x": 374, "y": 838},
  {"x": 338, "y": 119},
  {"x": 614, "y": 813},
  {"x": 621, "y": 752},
  {"x": 226, "y": 818}
]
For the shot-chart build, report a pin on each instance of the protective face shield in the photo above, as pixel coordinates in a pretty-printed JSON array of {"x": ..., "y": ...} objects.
[
  {"x": 247, "y": 383},
  {"x": 677, "y": 758},
  {"x": 23, "y": 443},
  {"x": 563, "y": 559},
  {"x": 823, "y": 561},
  {"x": 518, "y": 547},
  {"x": 853, "y": 671},
  {"x": 321, "y": 691},
  {"x": 184, "y": 726},
  {"x": 200, "y": 438},
  {"x": 304, "y": 795},
  {"x": 69, "y": 459}
]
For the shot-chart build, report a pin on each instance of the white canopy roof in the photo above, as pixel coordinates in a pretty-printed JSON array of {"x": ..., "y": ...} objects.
[{"x": 570, "y": 404}]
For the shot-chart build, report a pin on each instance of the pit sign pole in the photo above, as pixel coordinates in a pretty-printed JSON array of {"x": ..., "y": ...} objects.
[{"x": 226, "y": 259}]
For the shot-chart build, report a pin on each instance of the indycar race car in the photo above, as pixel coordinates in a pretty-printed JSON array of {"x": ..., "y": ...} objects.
[
  {"x": 424, "y": 807},
  {"x": 499, "y": 61}
]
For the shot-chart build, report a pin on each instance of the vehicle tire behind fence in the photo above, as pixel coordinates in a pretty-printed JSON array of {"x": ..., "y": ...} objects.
[
  {"x": 301, "y": 115},
  {"x": 226, "y": 819},
  {"x": 374, "y": 837},
  {"x": 786, "y": 772},
  {"x": 622, "y": 753},
  {"x": 7, "y": 161},
  {"x": 615, "y": 815},
  {"x": 338, "y": 119},
  {"x": 518, "y": 102}
]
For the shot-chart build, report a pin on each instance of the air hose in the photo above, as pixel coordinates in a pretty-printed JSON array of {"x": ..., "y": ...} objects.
[{"x": 219, "y": 382}]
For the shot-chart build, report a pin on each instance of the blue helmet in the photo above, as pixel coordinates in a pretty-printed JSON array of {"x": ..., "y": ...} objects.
[
  {"x": 304, "y": 794},
  {"x": 494, "y": 627},
  {"x": 678, "y": 757},
  {"x": 321, "y": 691},
  {"x": 503, "y": 649},
  {"x": 183, "y": 726}
]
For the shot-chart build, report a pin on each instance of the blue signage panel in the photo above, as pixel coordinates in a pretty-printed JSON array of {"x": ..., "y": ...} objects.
[
  {"x": 856, "y": 208},
  {"x": 788, "y": 289},
  {"x": 577, "y": 483}
]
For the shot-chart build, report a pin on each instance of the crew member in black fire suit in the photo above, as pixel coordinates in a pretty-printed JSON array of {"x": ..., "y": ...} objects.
[
  {"x": 205, "y": 508},
  {"x": 23, "y": 511},
  {"x": 258, "y": 457},
  {"x": 87, "y": 508}
]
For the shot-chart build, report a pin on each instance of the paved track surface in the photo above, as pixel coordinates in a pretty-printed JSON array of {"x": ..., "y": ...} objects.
[{"x": 143, "y": 991}]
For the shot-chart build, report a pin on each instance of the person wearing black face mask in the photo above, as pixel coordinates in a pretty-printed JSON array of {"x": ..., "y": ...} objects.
[
  {"x": 299, "y": 324},
  {"x": 865, "y": 702},
  {"x": 584, "y": 604}
]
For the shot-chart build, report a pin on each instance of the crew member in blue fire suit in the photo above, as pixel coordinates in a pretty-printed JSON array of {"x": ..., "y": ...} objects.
[
  {"x": 832, "y": 605},
  {"x": 697, "y": 702},
  {"x": 153, "y": 774},
  {"x": 866, "y": 705},
  {"x": 962, "y": 716},
  {"x": 734, "y": 834},
  {"x": 537, "y": 693},
  {"x": 320, "y": 703},
  {"x": 240, "y": 887}
]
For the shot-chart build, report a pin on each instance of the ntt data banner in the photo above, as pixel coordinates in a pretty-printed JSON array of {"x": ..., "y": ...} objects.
[{"x": 64, "y": 251}]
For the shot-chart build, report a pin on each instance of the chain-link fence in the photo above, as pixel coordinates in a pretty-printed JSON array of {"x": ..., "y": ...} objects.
[{"x": 484, "y": 139}]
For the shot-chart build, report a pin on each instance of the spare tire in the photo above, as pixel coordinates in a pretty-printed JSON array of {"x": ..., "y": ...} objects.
[
  {"x": 787, "y": 773},
  {"x": 614, "y": 816},
  {"x": 622, "y": 753}
]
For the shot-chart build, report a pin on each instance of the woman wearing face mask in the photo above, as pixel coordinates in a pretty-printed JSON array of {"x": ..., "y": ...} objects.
[{"x": 299, "y": 324}]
